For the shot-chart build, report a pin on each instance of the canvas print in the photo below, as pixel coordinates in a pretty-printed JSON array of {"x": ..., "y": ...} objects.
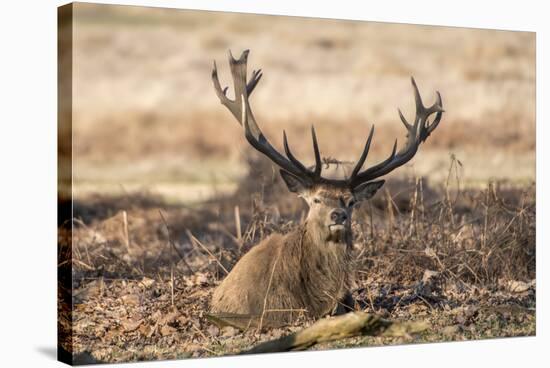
[{"x": 241, "y": 184}]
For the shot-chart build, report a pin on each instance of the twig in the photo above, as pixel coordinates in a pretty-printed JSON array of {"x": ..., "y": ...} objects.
[
  {"x": 196, "y": 241},
  {"x": 172, "y": 282},
  {"x": 413, "y": 227},
  {"x": 423, "y": 209},
  {"x": 371, "y": 223},
  {"x": 339, "y": 302},
  {"x": 302, "y": 310},
  {"x": 486, "y": 218},
  {"x": 87, "y": 252},
  {"x": 126, "y": 237},
  {"x": 173, "y": 245},
  {"x": 369, "y": 296},
  {"x": 390, "y": 214},
  {"x": 425, "y": 301},
  {"x": 221, "y": 228},
  {"x": 238, "y": 224},
  {"x": 206, "y": 339},
  {"x": 88, "y": 267},
  {"x": 397, "y": 305},
  {"x": 447, "y": 191},
  {"x": 267, "y": 292}
]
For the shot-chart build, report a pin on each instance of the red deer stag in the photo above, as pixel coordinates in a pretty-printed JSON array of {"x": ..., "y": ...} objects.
[{"x": 307, "y": 269}]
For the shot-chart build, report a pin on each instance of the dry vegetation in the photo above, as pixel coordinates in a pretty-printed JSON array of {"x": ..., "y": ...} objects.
[
  {"x": 165, "y": 204},
  {"x": 463, "y": 260}
]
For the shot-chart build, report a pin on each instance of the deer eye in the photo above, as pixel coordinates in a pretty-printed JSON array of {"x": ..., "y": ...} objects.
[
  {"x": 316, "y": 200},
  {"x": 352, "y": 202}
]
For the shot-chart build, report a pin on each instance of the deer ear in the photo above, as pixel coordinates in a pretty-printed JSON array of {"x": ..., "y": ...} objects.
[
  {"x": 367, "y": 190},
  {"x": 293, "y": 183}
]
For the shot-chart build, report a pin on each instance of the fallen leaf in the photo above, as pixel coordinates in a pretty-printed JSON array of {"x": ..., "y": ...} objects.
[
  {"x": 169, "y": 318},
  {"x": 198, "y": 279},
  {"x": 183, "y": 320},
  {"x": 130, "y": 325},
  {"x": 156, "y": 316},
  {"x": 213, "y": 330},
  {"x": 146, "y": 330},
  {"x": 450, "y": 330},
  {"x": 131, "y": 299},
  {"x": 429, "y": 275},
  {"x": 167, "y": 330},
  {"x": 229, "y": 331},
  {"x": 518, "y": 286},
  {"x": 147, "y": 282}
]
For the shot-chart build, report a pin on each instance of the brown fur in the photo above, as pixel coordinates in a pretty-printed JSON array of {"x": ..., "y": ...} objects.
[
  {"x": 286, "y": 273},
  {"x": 307, "y": 269}
]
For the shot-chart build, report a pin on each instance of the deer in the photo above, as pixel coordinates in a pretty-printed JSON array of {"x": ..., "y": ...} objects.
[{"x": 308, "y": 270}]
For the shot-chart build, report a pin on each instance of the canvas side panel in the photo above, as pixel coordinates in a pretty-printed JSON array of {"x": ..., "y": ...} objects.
[{"x": 64, "y": 182}]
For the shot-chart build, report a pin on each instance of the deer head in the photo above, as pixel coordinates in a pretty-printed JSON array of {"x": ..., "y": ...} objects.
[{"x": 330, "y": 200}]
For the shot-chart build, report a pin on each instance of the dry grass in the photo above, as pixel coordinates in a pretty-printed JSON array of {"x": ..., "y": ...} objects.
[{"x": 463, "y": 260}]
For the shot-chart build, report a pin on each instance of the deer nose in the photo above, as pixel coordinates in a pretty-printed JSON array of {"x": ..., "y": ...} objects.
[{"x": 339, "y": 216}]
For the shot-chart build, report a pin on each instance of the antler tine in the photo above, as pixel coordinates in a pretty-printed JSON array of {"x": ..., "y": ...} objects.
[
  {"x": 289, "y": 154},
  {"x": 439, "y": 106},
  {"x": 416, "y": 134},
  {"x": 254, "y": 79},
  {"x": 242, "y": 112},
  {"x": 404, "y": 121},
  {"x": 218, "y": 88},
  {"x": 318, "y": 162},
  {"x": 363, "y": 157},
  {"x": 417, "y": 97},
  {"x": 364, "y": 176},
  {"x": 421, "y": 110}
]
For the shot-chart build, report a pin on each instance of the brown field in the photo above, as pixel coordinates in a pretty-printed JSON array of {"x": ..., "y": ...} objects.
[{"x": 451, "y": 241}]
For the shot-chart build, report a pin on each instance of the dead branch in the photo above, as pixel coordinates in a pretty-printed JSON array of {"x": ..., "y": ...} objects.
[{"x": 336, "y": 328}]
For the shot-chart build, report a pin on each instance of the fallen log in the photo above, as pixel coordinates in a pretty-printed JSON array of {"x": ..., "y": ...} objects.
[{"x": 336, "y": 328}]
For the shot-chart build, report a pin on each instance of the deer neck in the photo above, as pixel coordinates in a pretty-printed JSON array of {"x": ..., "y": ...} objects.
[
  {"x": 314, "y": 242},
  {"x": 313, "y": 237},
  {"x": 324, "y": 271}
]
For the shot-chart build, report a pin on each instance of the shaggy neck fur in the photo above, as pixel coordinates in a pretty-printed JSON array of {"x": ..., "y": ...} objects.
[{"x": 324, "y": 270}]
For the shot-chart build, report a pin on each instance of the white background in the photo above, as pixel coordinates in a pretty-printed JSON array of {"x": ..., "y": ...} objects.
[{"x": 28, "y": 180}]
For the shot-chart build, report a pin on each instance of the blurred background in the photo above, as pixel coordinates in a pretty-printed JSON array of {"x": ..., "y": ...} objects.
[{"x": 146, "y": 118}]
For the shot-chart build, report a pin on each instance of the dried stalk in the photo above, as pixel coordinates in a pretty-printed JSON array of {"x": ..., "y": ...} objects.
[
  {"x": 126, "y": 236},
  {"x": 238, "y": 224},
  {"x": 196, "y": 241},
  {"x": 174, "y": 245},
  {"x": 267, "y": 293}
]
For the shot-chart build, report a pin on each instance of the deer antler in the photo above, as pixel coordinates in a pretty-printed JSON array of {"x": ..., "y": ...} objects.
[
  {"x": 240, "y": 108},
  {"x": 417, "y": 132}
]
